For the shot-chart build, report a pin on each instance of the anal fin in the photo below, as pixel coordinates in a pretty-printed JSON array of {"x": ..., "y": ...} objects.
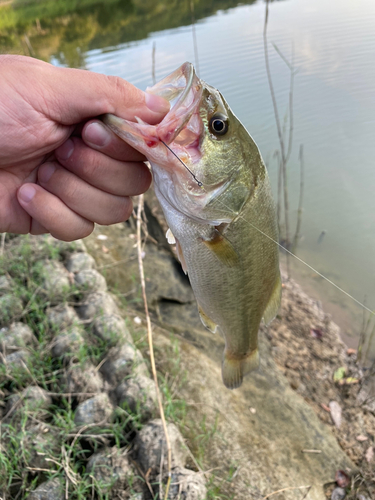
[
  {"x": 181, "y": 257},
  {"x": 273, "y": 303},
  {"x": 207, "y": 322}
]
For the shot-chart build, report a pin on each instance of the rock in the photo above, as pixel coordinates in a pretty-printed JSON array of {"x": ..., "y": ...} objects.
[
  {"x": 111, "y": 469},
  {"x": 123, "y": 362},
  {"x": 338, "y": 494},
  {"x": 62, "y": 316},
  {"x": 11, "y": 307},
  {"x": 32, "y": 398},
  {"x": 15, "y": 336},
  {"x": 366, "y": 394},
  {"x": 151, "y": 445},
  {"x": 83, "y": 381},
  {"x": 187, "y": 485},
  {"x": 67, "y": 343},
  {"x": 89, "y": 280},
  {"x": 139, "y": 395},
  {"x": 79, "y": 261},
  {"x": 41, "y": 442},
  {"x": 65, "y": 247},
  {"x": 56, "y": 281},
  {"x": 361, "y": 495},
  {"x": 50, "y": 490},
  {"x": 283, "y": 425},
  {"x": 5, "y": 285},
  {"x": 96, "y": 305},
  {"x": 16, "y": 360},
  {"x": 336, "y": 413},
  {"x": 111, "y": 329},
  {"x": 94, "y": 410}
]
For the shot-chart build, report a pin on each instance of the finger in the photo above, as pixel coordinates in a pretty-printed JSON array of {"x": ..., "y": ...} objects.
[
  {"x": 37, "y": 228},
  {"x": 89, "y": 94},
  {"x": 115, "y": 177},
  {"x": 88, "y": 201},
  {"x": 52, "y": 214},
  {"x": 96, "y": 135}
]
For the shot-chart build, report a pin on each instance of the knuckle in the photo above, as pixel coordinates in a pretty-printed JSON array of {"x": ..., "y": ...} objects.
[{"x": 120, "y": 212}]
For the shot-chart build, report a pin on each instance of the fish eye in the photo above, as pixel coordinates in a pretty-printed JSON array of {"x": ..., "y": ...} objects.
[{"x": 219, "y": 124}]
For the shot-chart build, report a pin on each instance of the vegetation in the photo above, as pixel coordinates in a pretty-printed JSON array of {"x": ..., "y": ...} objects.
[
  {"x": 40, "y": 442},
  {"x": 66, "y": 29}
]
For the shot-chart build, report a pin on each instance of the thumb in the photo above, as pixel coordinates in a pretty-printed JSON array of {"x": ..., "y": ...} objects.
[{"x": 73, "y": 95}]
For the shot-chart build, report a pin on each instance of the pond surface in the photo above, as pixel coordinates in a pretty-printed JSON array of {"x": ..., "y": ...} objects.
[{"x": 332, "y": 45}]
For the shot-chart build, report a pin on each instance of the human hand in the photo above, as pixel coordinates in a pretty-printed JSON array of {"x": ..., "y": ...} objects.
[{"x": 61, "y": 170}]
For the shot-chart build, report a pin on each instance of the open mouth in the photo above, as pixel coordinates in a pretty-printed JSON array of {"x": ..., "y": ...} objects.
[{"x": 183, "y": 90}]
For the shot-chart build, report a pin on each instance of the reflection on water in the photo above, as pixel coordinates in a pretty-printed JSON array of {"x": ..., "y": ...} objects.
[{"x": 333, "y": 47}]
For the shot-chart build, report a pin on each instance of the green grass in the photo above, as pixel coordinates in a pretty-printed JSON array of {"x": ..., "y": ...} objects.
[{"x": 65, "y": 448}]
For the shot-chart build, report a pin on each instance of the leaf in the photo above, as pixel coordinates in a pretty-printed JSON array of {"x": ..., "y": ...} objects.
[
  {"x": 361, "y": 438},
  {"x": 369, "y": 454},
  {"x": 342, "y": 478},
  {"x": 317, "y": 333},
  {"x": 335, "y": 413},
  {"x": 339, "y": 373}
]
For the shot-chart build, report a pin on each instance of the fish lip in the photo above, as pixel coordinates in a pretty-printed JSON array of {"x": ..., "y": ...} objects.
[
  {"x": 188, "y": 71},
  {"x": 186, "y": 100}
]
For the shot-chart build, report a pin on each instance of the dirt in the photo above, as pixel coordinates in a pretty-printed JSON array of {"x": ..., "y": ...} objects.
[{"x": 307, "y": 347}]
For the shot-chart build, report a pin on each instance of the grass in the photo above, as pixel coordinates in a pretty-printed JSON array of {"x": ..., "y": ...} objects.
[{"x": 42, "y": 443}]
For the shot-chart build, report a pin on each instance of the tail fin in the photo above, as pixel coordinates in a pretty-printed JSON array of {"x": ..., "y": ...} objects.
[{"x": 233, "y": 370}]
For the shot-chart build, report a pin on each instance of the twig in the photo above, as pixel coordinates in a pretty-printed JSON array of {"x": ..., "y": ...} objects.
[
  {"x": 285, "y": 152},
  {"x": 286, "y": 489},
  {"x": 279, "y": 188},
  {"x": 149, "y": 336},
  {"x": 311, "y": 451},
  {"x": 2, "y": 244},
  {"x": 153, "y": 63},
  {"x": 194, "y": 37},
  {"x": 299, "y": 216}
]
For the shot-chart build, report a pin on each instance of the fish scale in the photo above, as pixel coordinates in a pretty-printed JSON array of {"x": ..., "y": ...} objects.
[{"x": 208, "y": 200}]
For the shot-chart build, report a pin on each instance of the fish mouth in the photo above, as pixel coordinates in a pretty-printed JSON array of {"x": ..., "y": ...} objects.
[
  {"x": 181, "y": 128},
  {"x": 183, "y": 90}
]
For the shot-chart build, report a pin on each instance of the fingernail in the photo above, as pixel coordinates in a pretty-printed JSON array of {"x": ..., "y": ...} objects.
[
  {"x": 45, "y": 172},
  {"x": 64, "y": 152},
  {"x": 97, "y": 134},
  {"x": 156, "y": 103},
  {"x": 26, "y": 192}
]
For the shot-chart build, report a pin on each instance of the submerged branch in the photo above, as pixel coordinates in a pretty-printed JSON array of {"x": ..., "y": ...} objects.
[
  {"x": 283, "y": 159},
  {"x": 196, "y": 59},
  {"x": 301, "y": 189}
]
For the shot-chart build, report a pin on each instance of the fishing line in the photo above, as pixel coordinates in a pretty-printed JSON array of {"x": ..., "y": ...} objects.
[
  {"x": 200, "y": 184},
  {"x": 305, "y": 263}
]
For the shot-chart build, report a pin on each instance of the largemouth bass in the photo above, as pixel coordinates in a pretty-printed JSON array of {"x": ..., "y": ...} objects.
[{"x": 214, "y": 190}]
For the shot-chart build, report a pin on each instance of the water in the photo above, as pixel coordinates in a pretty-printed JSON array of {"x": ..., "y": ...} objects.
[{"x": 334, "y": 106}]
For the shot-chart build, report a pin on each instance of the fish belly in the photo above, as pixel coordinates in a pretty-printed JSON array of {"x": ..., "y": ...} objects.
[{"x": 234, "y": 297}]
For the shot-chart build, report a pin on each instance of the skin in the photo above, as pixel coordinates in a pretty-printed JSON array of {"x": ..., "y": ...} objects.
[
  {"x": 62, "y": 170},
  {"x": 221, "y": 226}
]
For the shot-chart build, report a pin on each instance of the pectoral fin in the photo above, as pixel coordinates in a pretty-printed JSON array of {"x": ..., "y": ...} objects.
[
  {"x": 273, "y": 303},
  {"x": 223, "y": 249},
  {"x": 170, "y": 238},
  {"x": 208, "y": 323},
  {"x": 180, "y": 256}
]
